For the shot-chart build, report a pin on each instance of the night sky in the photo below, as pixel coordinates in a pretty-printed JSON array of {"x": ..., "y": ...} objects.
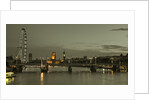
[{"x": 77, "y": 40}]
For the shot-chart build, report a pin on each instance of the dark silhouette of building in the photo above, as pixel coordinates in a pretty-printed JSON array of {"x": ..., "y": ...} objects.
[
  {"x": 30, "y": 57},
  {"x": 85, "y": 57},
  {"x": 9, "y": 61}
]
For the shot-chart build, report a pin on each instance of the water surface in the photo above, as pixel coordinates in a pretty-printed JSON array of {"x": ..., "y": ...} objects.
[{"x": 79, "y": 76}]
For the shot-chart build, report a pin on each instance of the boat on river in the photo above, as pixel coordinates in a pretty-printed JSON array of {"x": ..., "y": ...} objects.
[{"x": 10, "y": 74}]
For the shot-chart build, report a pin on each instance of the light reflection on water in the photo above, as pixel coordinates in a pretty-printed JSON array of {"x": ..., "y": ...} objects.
[
  {"x": 42, "y": 81},
  {"x": 60, "y": 76},
  {"x": 9, "y": 80}
]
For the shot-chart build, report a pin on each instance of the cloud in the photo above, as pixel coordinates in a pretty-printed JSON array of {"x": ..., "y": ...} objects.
[
  {"x": 82, "y": 46},
  {"x": 120, "y": 29},
  {"x": 118, "y": 47},
  {"x": 106, "y": 50},
  {"x": 111, "y": 53}
]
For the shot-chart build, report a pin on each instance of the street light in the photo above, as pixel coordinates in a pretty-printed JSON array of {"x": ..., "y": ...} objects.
[{"x": 95, "y": 60}]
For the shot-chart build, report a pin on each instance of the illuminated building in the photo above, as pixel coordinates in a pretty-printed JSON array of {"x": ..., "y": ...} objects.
[
  {"x": 47, "y": 58},
  {"x": 53, "y": 59},
  {"x": 53, "y": 56},
  {"x": 57, "y": 62},
  {"x": 64, "y": 57},
  {"x": 49, "y": 61}
]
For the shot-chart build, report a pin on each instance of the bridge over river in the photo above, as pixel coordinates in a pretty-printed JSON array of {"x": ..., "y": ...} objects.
[{"x": 93, "y": 67}]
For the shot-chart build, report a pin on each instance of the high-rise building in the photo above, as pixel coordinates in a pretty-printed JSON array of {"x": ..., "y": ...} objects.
[
  {"x": 30, "y": 57},
  {"x": 85, "y": 57}
]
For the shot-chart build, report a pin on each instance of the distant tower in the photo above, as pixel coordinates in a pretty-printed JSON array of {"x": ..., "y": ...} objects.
[
  {"x": 127, "y": 55},
  {"x": 30, "y": 57},
  {"x": 64, "y": 56},
  {"x": 121, "y": 59},
  {"x": 53, "y": 56},
  {"x": 22, "y": 53}
]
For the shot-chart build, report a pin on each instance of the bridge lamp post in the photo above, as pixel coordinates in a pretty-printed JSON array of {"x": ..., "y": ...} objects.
[
  {"x": 16, "y": 59},
  {"x": 90, "y": 60},
  {"x": 112, "y": 61},
  {"x": 95, "y": 60},
  {"x": 41, "y": 62}
]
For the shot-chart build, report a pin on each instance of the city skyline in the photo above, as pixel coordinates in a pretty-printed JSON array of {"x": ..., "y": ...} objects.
[{"x": 77, "y": 40}]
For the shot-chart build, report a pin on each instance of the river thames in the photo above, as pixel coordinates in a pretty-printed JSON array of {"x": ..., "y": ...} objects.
[{"x": 60, "y": 76}]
